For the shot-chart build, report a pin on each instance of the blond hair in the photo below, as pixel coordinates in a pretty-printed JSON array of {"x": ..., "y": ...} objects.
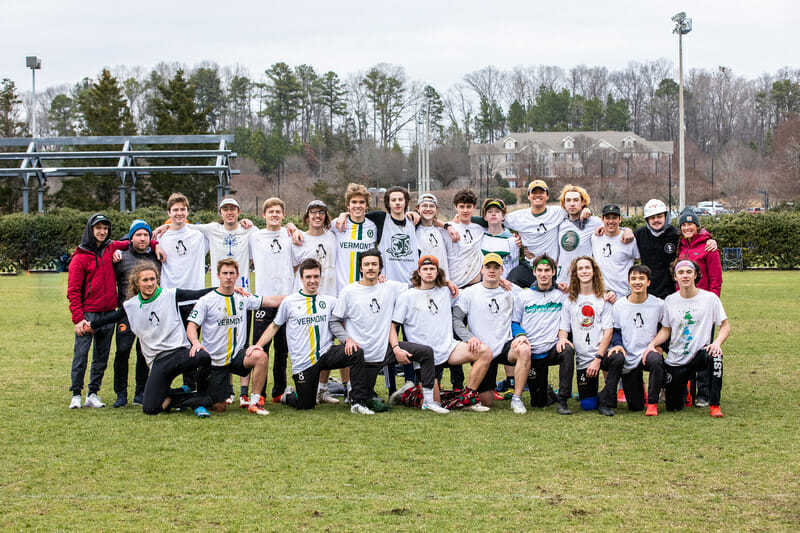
[{"x": 575, "y": 188}]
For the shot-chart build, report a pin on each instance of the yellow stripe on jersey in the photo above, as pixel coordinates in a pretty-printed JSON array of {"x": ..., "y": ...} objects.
[
  {"x": 312, "y": 341},
  {"x": 353, "y": 267},
  {"x": 230, "y": 332}
]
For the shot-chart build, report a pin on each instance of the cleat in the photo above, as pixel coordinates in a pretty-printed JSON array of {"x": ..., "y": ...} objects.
[
  {"x": 256, "y": 410},
  {"x": 122, "y": 401},
  {"x": 434, "y": 407},
  {"x": 688, "y": 395},
  {"x": 621, "y": 396},
  {"x": 652, "y": 409},
  {"x": 605, "y": 411},
  {"x": 137, "y": 399},
  {"x": 230, "y": 399},
  {"x": 562, "y": 408},
  {"x": 517, "y": 406},
  {"x": 244, "y": 401},
  {"x": 394, "y": 399},
  {"x": 261, "y": 401},
  {"x": 75, "y": 403},
  {"x": 361, "y": 409},
  {"x": 326, "y": 397},
  {"x": 201, "y": 412},
  {"x": 476, "y": 408},
  {"x": 286, "y": 392},
  {"x": 701, "y": 402},
  {"x": 94, "y": 401},
  {"x": 715, "y": 412},
  {"x": 277, "y": 399}
]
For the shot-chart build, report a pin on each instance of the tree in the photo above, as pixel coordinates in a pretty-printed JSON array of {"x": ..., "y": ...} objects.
[
  {"x": 785, "y": 97},
  {"x": 385, "y": 89},
  {"x": 309, "y": 97},
  {"x": 331, "y": 95},
  {"x": 239, "y": 94},
  {"x": 617, "y": 114},
  {"x": 104, "y": 109},
  {"x": 516, "y": 117},
  {"x": 209, "y": 96},
  {"x": 62, "y": 115},
  {"x": 10, "y": 101},
  {"x": 284, "y": 98},
  {"x": 664, "y": 107}
]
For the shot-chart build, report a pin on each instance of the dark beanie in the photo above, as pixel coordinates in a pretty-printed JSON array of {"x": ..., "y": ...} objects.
[{"x": 688, "y": 215}]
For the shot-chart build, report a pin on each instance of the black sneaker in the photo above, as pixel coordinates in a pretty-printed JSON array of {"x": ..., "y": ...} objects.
[
  {"x": 562, "y": 408},
  {"x": 605, "y": 411},
  {"x": 137, "y": 400},
  {"x": 122, "y": 401}
]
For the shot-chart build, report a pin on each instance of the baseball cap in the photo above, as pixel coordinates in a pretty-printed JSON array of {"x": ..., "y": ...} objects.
[
  {"x": 493, "y": 202},
  {"x": 428, "y": 260},
  {"x": 98, "y": 218},
  {"x": 611, "y": 209},
  {"x": 316, "y": 203},
  {"x": 229, "y": 201},
  {"x": 428, "y": 197},
  {"x": 538, "y": 183},
  {"x": 492, "y": 258}
]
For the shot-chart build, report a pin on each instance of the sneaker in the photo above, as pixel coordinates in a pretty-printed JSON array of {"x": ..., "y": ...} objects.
[
  {"x": 434, "y": 407},
  {"x": 498, "y": 396},
  {"x": 476, "y": 408},
  {"x": 277, "y": 399},
  {"x": 201, "y": 412},
  {"x": 137, "y": 399},
  {"x": 286, "y": 392},
  {"x": 562, "y": 408},
  {"x": 75, "y": 403},
  {"x": 256, "y": 410},
  {"x": 517, "y": 406},
  {"x": 244, "y": 401},
  {"x": 94, "y": 401},
  {"x": 262, "y": 401},
  {"x": 701, "y": 402},
  {"x": 361, "y": 409},
  {"x": 688, "y": 395},
  {"x": 394, "y": 399},
  {"x": 605, "y": 411},
  {"x": 715, "y": 412},
  {"x": 652, "y": 409},
  {"x": 122, "y": 401},
  {"x": 621, "y": 396},
  {"x": 230, "y": 399},
  {"x": 324, "y": 396}
]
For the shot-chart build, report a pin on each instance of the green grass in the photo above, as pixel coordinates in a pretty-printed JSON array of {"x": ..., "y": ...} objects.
[{"x": 404, "y": 470}]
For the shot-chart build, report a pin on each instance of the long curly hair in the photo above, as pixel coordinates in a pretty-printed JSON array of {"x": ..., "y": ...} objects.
[{"x": 598, "y": 287}]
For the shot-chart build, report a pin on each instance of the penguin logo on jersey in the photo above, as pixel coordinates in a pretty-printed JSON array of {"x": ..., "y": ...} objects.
[
  {"x": 587, "y": 316},
  {"x": 468, "y": 236},
  {"x": 541, "y": 228},
  {"x": 669, "y": 248},
  {"x": 400, "y": 245},
  {"x": 494, "y": 308},
  {"x": 374, "y": 306},
  {"x": 667, "y": 378},
  {"x": 638, "y": 321},
  {"x": 607, "y": 250},
  {"x": 230, "y": 241},
  {"x": 153, "y": 319},
  {"x": 180, "y": 248},
  {"x": 321, "y": 252},
  {"x": 432, "y": 240},
  {"x": 432, "y": 307},
  {"x": 275, "y": 246}
]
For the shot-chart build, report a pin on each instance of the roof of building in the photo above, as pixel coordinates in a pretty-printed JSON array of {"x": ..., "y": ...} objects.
[{"x": 553, "y": 141}]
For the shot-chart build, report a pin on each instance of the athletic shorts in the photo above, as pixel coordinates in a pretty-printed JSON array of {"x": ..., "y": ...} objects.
[
  {"x": 489, "y": 380},
  {"x": 219, "y": 379}
]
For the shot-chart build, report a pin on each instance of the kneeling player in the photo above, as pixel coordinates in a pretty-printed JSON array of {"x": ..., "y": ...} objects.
[{"x": 689, "y": 317}]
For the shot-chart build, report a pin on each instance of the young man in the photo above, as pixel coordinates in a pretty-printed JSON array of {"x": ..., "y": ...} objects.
[
  {"x": 497, "y": 239},
  {"x": 154, "y": 318},
  {"x": 222, "y": 315},
  {"x": 689, "y": 317},
  {"x": 486, "y": 310},
  {"x": 306, "y": 317},
  {"x": 431, "y": 239},
  {"x": 92, "y": 294},
  {"x": 613, "y": 256},
  {"x": 636, "y": 319},
  {"x": 422, "y": 311},
  {"x": 537, "y": 315},
  {"x": 362, "y": 317},
  {"x": 137, "y": 253},
  {"x": 465, "y": 255},
  {"x": 357, "y": 236},
  {"x": 588, "y": 316},
  {"x": 229, "y": 239},
  {"x": 574, "y": 233}
]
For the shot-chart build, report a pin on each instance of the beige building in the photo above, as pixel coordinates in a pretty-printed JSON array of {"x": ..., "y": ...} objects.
[{"x": 522, "y": 157}]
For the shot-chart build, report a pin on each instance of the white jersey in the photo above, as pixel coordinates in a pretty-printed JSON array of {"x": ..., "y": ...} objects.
[
  {"x": 614, "y": 259},
  {"x": 539, "y": 314},
  {"x": 225, "y": 244},
  {"x": 436, "y": 242},
  {"x": 223, "y": 322},
  {"x": 366, "y": 312},
  {"x": 157, "y": 323},
  {"x": 638, "y": 324},
  {"x": 465, "y": 257},
  {"x": 539, "y": 232},
  {"x": 488, "y": 314},
  {"x": 504, "y": 245},
  {"x": 691, "y": 320},
  {"x": 423, "y": 314},
  {"x": 574, "y": 240},
  {"x": 399, "y": 249},
  {"x": 323, "y": 249},
  {"x": 185, "y": 266},
  {"x": 272, "y": 261},
  {"x": 587, "y": 317},
  {"x": 352, "y": 241},
  {"x": 308, "y": 334}
]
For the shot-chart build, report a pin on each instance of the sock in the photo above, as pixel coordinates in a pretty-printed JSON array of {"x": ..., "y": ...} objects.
[
  {"x": 244, "y": 390},
  {"x": 322, "y": 387},
  {"x": 427, "y": 395},
  {"x": 515, "y": 397},
  {"x": 254, "y": 399},
  {"x": 347, "y": 387}
]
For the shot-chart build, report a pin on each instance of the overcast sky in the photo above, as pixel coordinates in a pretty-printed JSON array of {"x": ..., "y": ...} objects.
[{"x": 437, "y": 42}]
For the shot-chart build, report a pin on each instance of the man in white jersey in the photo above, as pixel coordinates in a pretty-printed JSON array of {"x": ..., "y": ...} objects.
[
  {"x": 363, "y": 316},
  {"x": 636, "y": 320},
  {"x": 222, "y": 315},
  {"x": 497, "y": 239},
  {"x": 613, "y": 255},
  {"x": 574, "y": 233},
  {"x": 486, "y": 308},
  {"x": 537, "y": 315},
  {"x": 689, "y": 317},
  {"x": 432, "y": 240},
  {"x": 306, "y": 317},
  {"x": 465, "y": 252},
  {"x": 588, "y": 316},
  {"x": 357, "y": 236}
]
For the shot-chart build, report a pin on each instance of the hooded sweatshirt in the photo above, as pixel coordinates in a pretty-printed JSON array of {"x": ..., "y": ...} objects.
[
  {"x": 91, "y": 283},
  {"x": 710, "y": 263}
]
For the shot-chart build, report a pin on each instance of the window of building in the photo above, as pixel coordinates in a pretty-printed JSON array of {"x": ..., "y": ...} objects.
[
  {"x": 510, "y": 157},
  {"x": 576, "y": 156}
]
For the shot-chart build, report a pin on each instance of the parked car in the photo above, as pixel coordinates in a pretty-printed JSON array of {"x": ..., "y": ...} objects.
[{"x": 755, "y": 210}]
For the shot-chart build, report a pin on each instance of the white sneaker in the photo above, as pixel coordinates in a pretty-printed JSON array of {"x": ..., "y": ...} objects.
[
  {"x": 477, "y": 408},
  {"x": 230, "y": 399},
  {"x": 93, "y": 400},
  {"x": 701, "y": 402},
  {"x": 324, "y": 396},
  {"x": 287, "y": 391},
  {"x": 394, "y": 399},
  {"x": 434, "y": 407},
  {"x": 75, "y": 403},
  {"x": 518, "y": 406},
  {"x": 361, "y": 409}
]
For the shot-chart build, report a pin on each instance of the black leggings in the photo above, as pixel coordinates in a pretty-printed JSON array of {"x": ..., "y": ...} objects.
[
  {"x": 676, "y": 377},
  {"x": 166, "y": 368}
]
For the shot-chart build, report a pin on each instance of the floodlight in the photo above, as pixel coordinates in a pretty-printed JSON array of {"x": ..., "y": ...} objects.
[
  {"x": 33, "y": 62},
  {"x": 678, "y": 17}
]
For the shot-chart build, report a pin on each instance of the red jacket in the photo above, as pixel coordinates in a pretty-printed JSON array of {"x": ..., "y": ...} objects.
[{"x": 710, "y": 262}]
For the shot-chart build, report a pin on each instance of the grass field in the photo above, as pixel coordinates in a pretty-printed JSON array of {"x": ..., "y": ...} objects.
[{"x": 117, "y": 469}]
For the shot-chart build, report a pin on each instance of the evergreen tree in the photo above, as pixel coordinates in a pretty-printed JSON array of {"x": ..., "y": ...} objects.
[
  {"x": 239, "y": 94},
  {"x": 209, "y": 96},
  {"x": 516, "y": 117},
  {"x": 104, "y": 109},
  {"x": 617, "y": 114},
  {"x": 332, "y": 96},
  {"x": 62, "y": 115},
  {"x": 284, "y": 98},
  {"x": 10, "y": 126}
]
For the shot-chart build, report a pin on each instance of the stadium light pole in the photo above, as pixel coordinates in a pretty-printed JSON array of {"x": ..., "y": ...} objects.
[
  {"x": 683, "y": 26},
  {"x": 34, "y": 63}
]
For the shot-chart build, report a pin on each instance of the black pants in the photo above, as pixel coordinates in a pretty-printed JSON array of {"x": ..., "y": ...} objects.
[
  {"x": 633, "y": 381},
  {"x": 676, "y": 377},
  {"x": 80, "y": 357},
  {"x": 262, "y": 319},
  {"x": 125, "y": 342},
  {"x": 587, "y": 387},
  {"x": 305, "y": 382},
  {"x": 166, "y": 368},
  {"x": 190, "y": 377},
  {"x": 537, "y": 378},
  {"x": 419, "y": 353},
  {"x": 702, "y": 380}
]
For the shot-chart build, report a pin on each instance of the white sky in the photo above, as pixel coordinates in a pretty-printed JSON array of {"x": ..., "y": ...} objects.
[{"x": 436, "y": 41}]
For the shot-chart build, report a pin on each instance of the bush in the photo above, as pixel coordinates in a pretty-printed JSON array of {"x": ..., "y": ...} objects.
[
  {"x": 504, "y": 194},
  {"x": 770, "y": 239}
]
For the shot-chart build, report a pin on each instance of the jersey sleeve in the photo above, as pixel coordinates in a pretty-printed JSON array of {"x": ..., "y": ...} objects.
[
  {"x": 606, "y": 320},
  {"x": 198, "y": 314},
  {"x": 340, "y": 307},
  {"x": 565, "y": 322},
  {"x": 282, "y": 316},
  {"x": 253, "y": 302},
  {"x": 400, "y": 309},
  {"x": 719, "y": 311}
]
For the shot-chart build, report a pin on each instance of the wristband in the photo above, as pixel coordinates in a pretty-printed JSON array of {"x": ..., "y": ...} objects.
[{"x": 395, "y": 346}]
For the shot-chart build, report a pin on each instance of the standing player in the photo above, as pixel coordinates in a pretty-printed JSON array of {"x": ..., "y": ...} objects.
[
  {"x": 465, "y": 252},
  {"x": 636, "y": 320},
  {"x": 574, "y": 233},
  {"x": 431, "y": 239},
  {"x": 357, "y": 236},
  {"x": 588, "y": 316},
  {"x": 497, "y": 239},
  {"x": 613, "y": 256},
  {"x": 689, "y": 317}
]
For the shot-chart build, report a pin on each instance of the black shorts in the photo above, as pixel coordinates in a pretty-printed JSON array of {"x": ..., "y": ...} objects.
[
  {"x": 219, "y": 378},
  {"x": 489, "y": 379}
]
